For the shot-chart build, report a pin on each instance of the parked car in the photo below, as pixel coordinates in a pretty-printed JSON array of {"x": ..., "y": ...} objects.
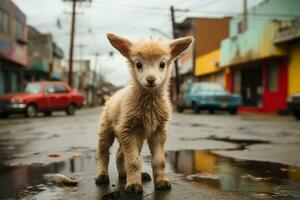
[
  {"x": 45, "y": 96},
  {"x": 293, "y": 103},
  {"x": 208, "y": 96}
]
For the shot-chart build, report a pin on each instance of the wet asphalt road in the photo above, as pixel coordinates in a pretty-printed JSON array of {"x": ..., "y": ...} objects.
[{"x": 208, "y": 157}]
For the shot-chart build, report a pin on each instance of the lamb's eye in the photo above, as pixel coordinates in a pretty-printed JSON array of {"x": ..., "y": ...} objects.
[
  {"x": 162, "y": 64},
  {"x": 139, "y": 65}
]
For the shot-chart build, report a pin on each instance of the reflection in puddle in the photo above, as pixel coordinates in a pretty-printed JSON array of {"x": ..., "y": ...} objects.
[
  {"x": 19, "y": 181},
  {"x": 200, "y": 167},
  {"x": 228, "y": 174}
]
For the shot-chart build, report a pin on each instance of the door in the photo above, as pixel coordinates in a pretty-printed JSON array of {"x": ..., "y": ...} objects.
[
  {"x": 64, "y": 95},
  {"x": 252, "y": 87},
  {"x": 52, "y": 97}
]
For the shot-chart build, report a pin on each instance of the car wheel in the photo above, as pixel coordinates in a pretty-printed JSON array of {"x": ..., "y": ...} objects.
[
  {"x": 195, "y": 108},
  {"x": 71, "y": 109},
  {"x": 4, "y": 115},
  {"x": 211, "y": 111},
  {"x": 180, "y": 109},
  {"x": 48, "y": 113},
  {"x": 233, "y": 111},
  {"x": 296, "y": 114},
  {"x": 31, "y": 111}
]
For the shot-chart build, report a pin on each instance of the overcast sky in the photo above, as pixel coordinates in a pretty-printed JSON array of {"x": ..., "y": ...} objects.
[{"x": 130, "y": 18}]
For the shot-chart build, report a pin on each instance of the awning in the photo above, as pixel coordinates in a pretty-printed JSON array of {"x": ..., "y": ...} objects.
[{"x": 55, "y": 76}]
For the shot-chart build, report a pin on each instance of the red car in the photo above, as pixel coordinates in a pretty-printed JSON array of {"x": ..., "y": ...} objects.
[{"x": 45, "y": 96}]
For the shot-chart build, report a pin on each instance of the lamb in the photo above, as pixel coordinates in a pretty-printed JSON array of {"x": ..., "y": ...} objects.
[{"x": 139, "y": 112}]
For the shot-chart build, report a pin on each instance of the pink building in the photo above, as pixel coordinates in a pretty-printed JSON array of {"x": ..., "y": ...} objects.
[{"x": 13, "y": 47}]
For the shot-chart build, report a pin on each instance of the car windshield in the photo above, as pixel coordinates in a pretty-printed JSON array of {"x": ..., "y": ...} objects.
[
  {"x": 33, "y": 88},
  {"x": 208, "y": 88}
]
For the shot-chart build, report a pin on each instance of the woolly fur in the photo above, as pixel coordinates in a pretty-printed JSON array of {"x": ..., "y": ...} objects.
[{"x": 135, "y": 114}]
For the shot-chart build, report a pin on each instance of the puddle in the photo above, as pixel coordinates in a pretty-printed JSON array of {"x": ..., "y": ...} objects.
[
  {"x": 205, "y": 170},
  {"x": 226, "y": 174},
  {"x": 29, "y": 180}
]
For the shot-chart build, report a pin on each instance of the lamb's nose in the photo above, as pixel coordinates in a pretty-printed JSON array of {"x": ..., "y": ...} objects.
[{"x": 151, "y": 79}]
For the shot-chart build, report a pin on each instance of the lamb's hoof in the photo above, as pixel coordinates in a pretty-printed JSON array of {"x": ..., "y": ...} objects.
[
  {"x": 146, "y": 177},
  {"x": 102, "y": 180},
  {"x": 163, "y": 185},
  {"x": 134, "y": 188}
]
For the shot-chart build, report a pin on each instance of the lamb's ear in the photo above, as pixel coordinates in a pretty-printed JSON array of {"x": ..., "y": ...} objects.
[
  {"x": 178, "y": 46},
  {"x": 121, "y": 44}
]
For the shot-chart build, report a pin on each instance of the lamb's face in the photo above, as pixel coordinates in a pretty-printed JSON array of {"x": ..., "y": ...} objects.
[
  {"x": 152, "y": 73},
  {"x": 151, "y": 60},
  {"x": 150, "y": 63}
]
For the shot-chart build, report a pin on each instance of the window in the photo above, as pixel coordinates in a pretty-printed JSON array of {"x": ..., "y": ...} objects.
[
  {"x": 3, "y": 21},
  {"x": 2, "y": 82},
  {"x": 241, "y": 26},
  {"x": 33, "y": 88},
  {"x": 19, "y": 29},
  {"x": 273, "y": 78},
  {"x": 50, "y": 89},
  {"x": 237, "y": 82},
  {"x": 14, "y": 82},
  {"x": 207, "y": 88},
  {"x": 60, "y": 89}
]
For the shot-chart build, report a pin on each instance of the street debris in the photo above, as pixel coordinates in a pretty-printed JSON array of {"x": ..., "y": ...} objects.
[
  {"x": 256, "y": 178},
  {"x": 203, "y": 175},
  {"x": 53, "y": 155},
  {"x": 62, "y": 179}
]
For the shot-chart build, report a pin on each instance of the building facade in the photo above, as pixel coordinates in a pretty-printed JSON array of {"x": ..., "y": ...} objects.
[
  {"x": 13, "y": 47},
  {"x": 202, "y": 61},
  {"x": 259, "y": 66},
  {"x": 45, "y": 57}
]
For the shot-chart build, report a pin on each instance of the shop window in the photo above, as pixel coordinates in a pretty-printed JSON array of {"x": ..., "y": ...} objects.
[
  {"x": 3, "y": 21},
  {"x": 14, "y": 82},
  {"x": 273, "y": 78},
  {"x": 220, "y": 79},
  {"x": 2, "y": 82},
  {"x": 237, "y": 82}
]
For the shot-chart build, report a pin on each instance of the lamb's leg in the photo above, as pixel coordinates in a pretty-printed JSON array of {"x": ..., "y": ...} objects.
[
  {"x": 121, "y": 168},
  {"x": 156, "y": 144},
  {"x": 131, "y": 147},
  {"x": 106, "y": 139},
  {"x": 120, "y": 164}
]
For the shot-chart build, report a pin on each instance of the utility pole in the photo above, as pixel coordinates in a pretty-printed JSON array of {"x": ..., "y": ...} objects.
[
  {"x": 72, "y": 43},
  {"x": 70, "y": 78},
  {"x": 94, "y": 80},
  {"x": 245, "y": 15},
  {"x": 175, "y": 63}
]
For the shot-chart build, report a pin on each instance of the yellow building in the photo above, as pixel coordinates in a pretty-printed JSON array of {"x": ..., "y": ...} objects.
[
  {"x": 208, "y": 68},
  {"x": 294, "y": 70}
]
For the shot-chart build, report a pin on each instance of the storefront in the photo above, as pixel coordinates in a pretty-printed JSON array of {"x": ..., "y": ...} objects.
[
  {"x": 10, "y": 76},
  {"x": 263, "y": 87}
]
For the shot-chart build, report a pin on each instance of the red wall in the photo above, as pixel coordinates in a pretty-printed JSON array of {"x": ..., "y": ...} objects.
[{"x": 229, "y": 82}]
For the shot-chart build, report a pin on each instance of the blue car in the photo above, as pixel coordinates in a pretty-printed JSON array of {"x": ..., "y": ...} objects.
[{"x": 208, "y": 96}]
